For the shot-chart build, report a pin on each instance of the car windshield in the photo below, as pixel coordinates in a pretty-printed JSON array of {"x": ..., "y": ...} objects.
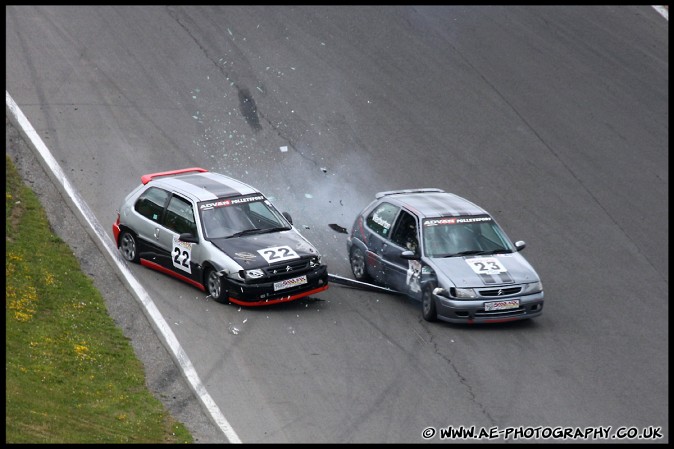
[
  {"x": 234, "y": 217},
  {"x": 462, "y": 236}
]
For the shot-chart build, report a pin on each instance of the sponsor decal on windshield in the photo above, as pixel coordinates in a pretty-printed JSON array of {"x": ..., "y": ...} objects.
[
  {"x": 230, "y": 202},
  {"x": 455, "y": 220}
]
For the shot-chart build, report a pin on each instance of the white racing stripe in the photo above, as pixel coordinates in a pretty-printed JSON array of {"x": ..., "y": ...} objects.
[{"x": 109, "y": 250}]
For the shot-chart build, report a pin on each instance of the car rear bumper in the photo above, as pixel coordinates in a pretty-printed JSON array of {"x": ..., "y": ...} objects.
[
  {"x": 116, "y": 230},
  {"x": 473, "y": 312},
  {"x": 264, "y": 294}
]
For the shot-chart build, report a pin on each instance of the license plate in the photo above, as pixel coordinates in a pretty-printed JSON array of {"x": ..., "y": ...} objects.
[
  {"x": 502, "y": 305},
  {"x": 280, "y": 285}
]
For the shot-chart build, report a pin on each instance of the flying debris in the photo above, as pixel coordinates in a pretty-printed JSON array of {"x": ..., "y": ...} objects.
[{"x": 338, "y": 228}]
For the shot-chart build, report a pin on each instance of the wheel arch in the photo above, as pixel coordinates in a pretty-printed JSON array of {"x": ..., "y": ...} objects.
[{"x": 122, "y": 229}]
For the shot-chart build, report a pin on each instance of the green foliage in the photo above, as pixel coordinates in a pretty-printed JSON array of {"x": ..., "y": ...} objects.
[{"x": 71, "y": 374}]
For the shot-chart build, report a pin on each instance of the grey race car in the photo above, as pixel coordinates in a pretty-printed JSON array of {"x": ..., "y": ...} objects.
[
  {"x": 446, "y": 252},
  {"x": 219, "y": 235}
]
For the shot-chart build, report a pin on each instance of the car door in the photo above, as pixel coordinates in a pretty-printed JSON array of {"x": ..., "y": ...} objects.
[
  {"x": 403, "y": 274},
  {"x": 178, "y": 256},
  {"x": 379, "y": 223}
]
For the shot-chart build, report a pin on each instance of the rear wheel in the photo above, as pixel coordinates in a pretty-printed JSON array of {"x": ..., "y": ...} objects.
[
  {"x": 128, "y": 247},
  {"x": 214, "y": 286},
  {"x": 358, "y": 265},
  {"x": 428, "y": 309}
]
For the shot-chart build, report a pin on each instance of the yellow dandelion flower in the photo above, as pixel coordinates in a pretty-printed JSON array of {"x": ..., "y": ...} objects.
[
  {"x": 23, "y": 317},
  {"x": 49, "y": 279},
  {"x": 81, "y": 351}
]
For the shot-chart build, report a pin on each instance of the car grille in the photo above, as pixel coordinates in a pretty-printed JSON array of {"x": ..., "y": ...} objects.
[
  {"x": 288, "y": 269},
  {"x": 500, "y": 291}
]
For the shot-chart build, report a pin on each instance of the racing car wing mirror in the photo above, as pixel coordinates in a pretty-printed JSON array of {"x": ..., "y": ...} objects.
[
  {"x": 519, "y": 245},
  {"x": 288, "y": 217},
  {"x": 188, "y": 237},
  {"x": 409, "y": 255}
]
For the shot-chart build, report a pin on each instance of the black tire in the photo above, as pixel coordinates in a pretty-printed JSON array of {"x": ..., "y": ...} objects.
[
  {"x": 213, "y": 286},
  {"x": 128, "y": 246},
  {"x": 428, "y": 309},
  {"x": 358, "y": 265}
]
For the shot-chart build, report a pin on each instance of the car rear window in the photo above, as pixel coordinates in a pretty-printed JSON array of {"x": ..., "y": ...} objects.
[{"x": 381, "y": 218}]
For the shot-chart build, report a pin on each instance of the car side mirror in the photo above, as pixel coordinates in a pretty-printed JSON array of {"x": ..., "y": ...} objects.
[
  {"x": 520, "y": 245},
  {"x": 288, "y": 217},
  {"x": 188, "y": 237},
  {"x": 409, "y": 255}
]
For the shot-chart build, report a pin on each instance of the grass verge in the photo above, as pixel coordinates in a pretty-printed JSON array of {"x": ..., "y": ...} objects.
[{"x": 71, "y": 375}]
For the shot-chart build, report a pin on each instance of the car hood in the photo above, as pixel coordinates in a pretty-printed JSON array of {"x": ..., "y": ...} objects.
[
  {"x": 262, "y": 250},
  {"x": 480, "y": 271}
]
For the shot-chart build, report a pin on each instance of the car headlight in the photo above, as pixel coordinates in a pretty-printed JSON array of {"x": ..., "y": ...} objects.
[
  {"x": 456, "y": 293},
  {"x": 462, "y": 293},
  {"x": 254, "y": 274},
  {"x": 315, "y": 261},
  {"x": 533, "y": 287}
]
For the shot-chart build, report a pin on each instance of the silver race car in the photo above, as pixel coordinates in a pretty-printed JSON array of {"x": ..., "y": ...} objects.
[
  {"x": 446, "y": 252},
  {"x": 219, "y": 235}
]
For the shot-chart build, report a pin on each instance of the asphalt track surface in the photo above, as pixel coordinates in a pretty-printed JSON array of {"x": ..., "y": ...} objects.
[{"x": 553, "y": 118}]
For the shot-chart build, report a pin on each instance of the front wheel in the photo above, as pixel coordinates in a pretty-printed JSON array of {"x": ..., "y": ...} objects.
[
  {"x": 214, "y": 286},
  {"x": 428, "y": 309},
  {"x": 358, "y": 265}
]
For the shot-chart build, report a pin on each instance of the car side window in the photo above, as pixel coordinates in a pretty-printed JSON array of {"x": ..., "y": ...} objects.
[
  {"x": 405, "y": 232},
  {"x": 180, "y": 216},
  {"x": 381, "y": 219},
  {"x": 151, "y": 203}
]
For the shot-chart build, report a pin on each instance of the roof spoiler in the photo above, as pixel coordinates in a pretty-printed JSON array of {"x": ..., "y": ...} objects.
[
  {"x": 149, "y": 177},
  {"x": 394, "y": 192}
]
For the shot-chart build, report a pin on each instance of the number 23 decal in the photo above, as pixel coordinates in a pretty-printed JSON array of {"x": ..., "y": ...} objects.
[
  {"x": 486, "y": 265},
  {"x": 278, "y": 253},
  {"x": 181, "y": 254}
]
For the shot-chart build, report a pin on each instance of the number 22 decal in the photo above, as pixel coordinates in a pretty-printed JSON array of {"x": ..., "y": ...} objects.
[
  {"x": 486, "y": 265},
  {"x": 181, "y": 254},
  {"x": 278, "y": 253}
]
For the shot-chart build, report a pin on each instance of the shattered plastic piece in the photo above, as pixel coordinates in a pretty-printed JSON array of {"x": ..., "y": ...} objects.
[
  {"x": 324, "y": 170},
  {"x": 283, "y": 149},
  {"x": 308, "y": 195},
  {"x": 338, "y": 228}
]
